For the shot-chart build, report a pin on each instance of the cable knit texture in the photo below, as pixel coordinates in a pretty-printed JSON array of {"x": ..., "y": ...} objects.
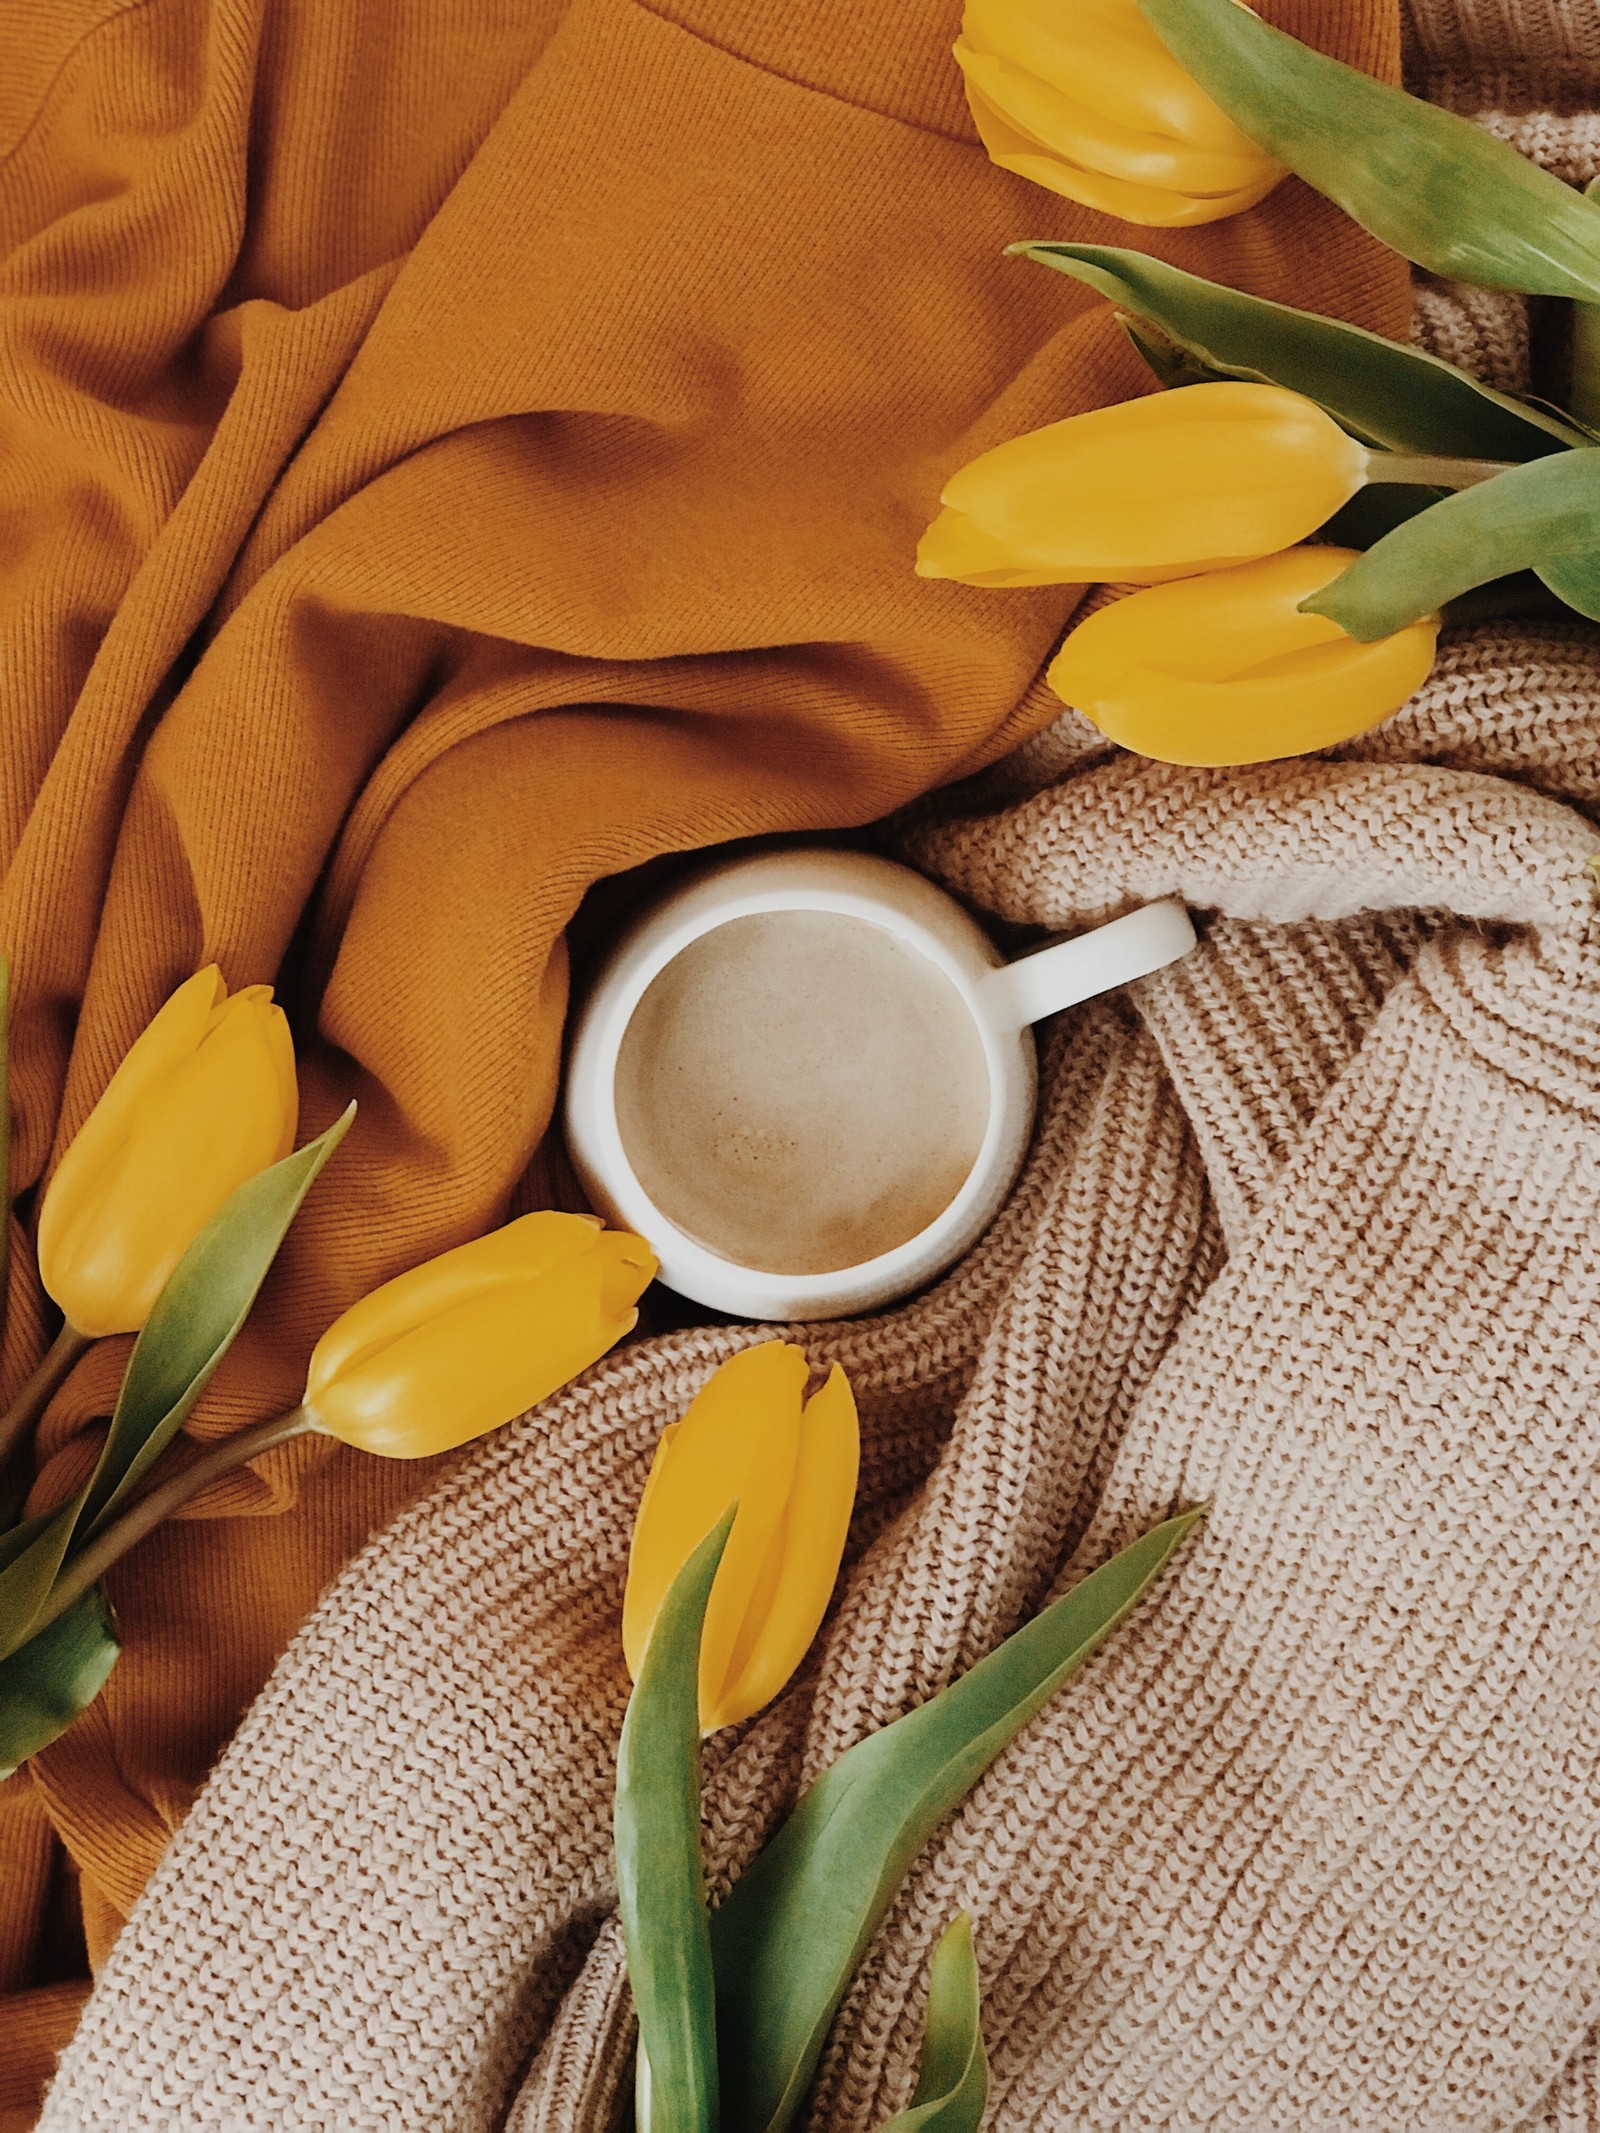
[{"x": 1308, "y": 1232}]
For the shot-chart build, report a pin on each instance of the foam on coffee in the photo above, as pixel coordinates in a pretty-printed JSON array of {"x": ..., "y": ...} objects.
[{"x": 799, "y": 1091}]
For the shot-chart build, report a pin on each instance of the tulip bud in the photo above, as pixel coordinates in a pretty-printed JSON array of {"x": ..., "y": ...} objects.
[
  {"x": 1083, "y": 97},
  {"x": 459, "y": 1345},
  {"x": 204, "y": 1099},
  {"x": 1224, "y": 669},
  {"x": 1146, "y": 490},
  {"x": 791, "y": 1464}
]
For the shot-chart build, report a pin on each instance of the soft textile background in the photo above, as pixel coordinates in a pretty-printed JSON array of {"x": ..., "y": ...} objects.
[
  {"x": 1309, "y": 1232},
  {"x": 450, "y": 451},
  {"x": 1314, "y": 1845}
]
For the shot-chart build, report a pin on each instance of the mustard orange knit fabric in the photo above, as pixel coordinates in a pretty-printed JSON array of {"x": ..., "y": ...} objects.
[{"x": 452, "y": 452}]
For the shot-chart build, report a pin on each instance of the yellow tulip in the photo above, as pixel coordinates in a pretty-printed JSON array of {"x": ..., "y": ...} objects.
[
  {"x": 1225, "y": 669},
  {"x": 1147, "y": 490},
  {"x": 791, "y": 1463},
  {"x": 204, "y": 1099},
  {"x": 1083, "y": 97},
  {"x": 459, "y": 1345}
]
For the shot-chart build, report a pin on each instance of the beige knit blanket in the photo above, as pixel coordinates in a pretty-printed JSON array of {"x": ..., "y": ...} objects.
[{"x": 1312, "y": 1231}]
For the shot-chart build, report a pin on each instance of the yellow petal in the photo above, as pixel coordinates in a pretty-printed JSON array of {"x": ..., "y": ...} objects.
[
  {"x": 1104, "y": 54},
  {"x": 812, "y": 1541},
  {"x": 1207, "y": 627},
  {"x": 1324, "y": 697},
  {"x": 739, "y": 1439},
  {"x": 1152, "y": 207},
  {"x": 1223, "y": 669},
  {"x": 198, "y": 1124},
  {"x": 1178, "y": 482},
  {"x": 517, "y": 1251},
  {"x": 498, "y": 1350},
  {"x": 955, "y": 546},
  {"x": 1057, "y": 123},
  {"x": 272, "y": 1033},
  {"x": 171, "y": 1034},
  {"x": 1087, "y": 100}
]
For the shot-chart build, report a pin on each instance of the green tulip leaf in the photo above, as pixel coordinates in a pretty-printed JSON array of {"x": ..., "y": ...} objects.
[
  {"x": 17, "y": 1539},
  {"x": 1431, "y": 186},
  {"x": 788, "y": 1937},
  {"x": 54, "y": 1678},
  {"x": 953, "y": 2076},
  {"x": 661, "y": 1893},
  {"x": 193, "y": 1325},
  {"x": 1400, "y": 399},
  {"x": 5, "y": 1135},
  {"x": 30, "y": 1556},
  {"x": 1543, "y": 517},
  {"x": 1583, "y": 381},
  {"x": 1575, "y": 579},
  {"x": 1373, "y": 512},
  {"x": 1172, "y": 365},
  {"x": 196, "y": 1319}
]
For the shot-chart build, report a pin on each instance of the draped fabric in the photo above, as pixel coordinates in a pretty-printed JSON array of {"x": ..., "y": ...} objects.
[
  {"x": 453, "y": 452},
  {"x": 1307, "y": 1235}
]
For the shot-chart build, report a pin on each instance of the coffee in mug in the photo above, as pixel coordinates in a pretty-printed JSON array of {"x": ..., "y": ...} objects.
[
  {"x": 808, "y": 1078},
  {"x": 800, "y": 1091}
]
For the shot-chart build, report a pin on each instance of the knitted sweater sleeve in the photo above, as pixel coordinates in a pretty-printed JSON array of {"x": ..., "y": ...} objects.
[{"x": 1314, "y": 1843}]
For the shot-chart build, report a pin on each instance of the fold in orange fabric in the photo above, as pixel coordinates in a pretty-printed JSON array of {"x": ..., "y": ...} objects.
[{"x": 454, "y": 452}]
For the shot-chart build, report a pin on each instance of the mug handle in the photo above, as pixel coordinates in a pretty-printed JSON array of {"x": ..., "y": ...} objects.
[{"x": 1061, "y": 975}]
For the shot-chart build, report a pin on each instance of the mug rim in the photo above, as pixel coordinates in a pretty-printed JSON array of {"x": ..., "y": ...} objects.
[{"x": 693, "y": 1269}]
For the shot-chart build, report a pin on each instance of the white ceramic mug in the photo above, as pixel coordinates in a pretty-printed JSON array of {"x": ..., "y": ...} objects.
[{"x": 1003, "y": 999}]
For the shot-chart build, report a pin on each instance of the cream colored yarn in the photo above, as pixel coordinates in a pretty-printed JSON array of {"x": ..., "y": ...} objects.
[
  {"x": 1316, "y": 1842},
  {"x": 1311, "y": 1231}
]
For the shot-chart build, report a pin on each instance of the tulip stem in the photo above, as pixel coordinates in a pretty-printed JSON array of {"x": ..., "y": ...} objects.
[
  {"x": 89, "y": 1566},
  {"x": 36, "y": 1395},
  {"x": 1425, "y": 471}
]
